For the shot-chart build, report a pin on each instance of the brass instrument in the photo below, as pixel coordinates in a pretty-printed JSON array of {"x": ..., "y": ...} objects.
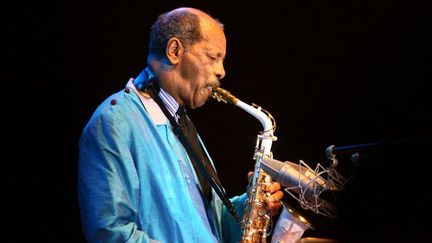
[{"x": 256, "y": 219}]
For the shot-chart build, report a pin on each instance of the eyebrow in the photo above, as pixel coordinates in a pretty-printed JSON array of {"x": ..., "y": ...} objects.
[
  {"x": 217, "y": 53},
  {"x": 212, "y": 51}
]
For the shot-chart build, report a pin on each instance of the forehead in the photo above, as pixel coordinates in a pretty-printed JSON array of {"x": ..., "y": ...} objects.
[{"x": 213, "y": 35}]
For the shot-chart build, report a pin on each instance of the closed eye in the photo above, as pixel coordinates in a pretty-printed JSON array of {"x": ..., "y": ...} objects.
[{"x": 212, "y": 57}]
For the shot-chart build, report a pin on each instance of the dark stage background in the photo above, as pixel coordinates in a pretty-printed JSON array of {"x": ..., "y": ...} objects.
[{"x": 330, "y": 72}]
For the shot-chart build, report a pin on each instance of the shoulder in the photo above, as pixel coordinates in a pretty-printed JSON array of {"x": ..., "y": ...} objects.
[{"x": 116, "y": 110}]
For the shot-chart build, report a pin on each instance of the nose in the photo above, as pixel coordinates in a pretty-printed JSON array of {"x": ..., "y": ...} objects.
[{"x": 220, "y": 70}]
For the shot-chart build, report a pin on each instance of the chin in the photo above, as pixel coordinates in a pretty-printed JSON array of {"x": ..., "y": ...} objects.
[{"x": 198, "y": 105}]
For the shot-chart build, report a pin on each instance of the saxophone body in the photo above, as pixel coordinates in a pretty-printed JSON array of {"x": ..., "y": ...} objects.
[{"x": 256, "y": 218}]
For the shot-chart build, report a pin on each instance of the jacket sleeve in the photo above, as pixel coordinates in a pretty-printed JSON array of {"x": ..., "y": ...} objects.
[
  {"x": 108, "y": 185},
  {"x": 231, "y": 231}
]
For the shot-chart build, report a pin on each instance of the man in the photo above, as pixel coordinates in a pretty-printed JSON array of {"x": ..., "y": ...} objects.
[{"x": 137, "y": 182}]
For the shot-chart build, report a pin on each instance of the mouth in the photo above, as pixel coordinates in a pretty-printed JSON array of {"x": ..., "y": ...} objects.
[{"x": 213, "y": 86}]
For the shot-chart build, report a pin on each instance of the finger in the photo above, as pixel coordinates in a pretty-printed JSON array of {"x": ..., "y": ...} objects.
[
  {"x": 249, "y": 175},
  {"x": 275, "y": 186},
  {"x": 275, "y": 197},
  {"x": 274, "y": 208}
]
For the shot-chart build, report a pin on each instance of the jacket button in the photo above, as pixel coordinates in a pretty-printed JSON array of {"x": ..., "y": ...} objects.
[
  {"x": 113, "y": 102},
  {"x": 127, "y": 90}
]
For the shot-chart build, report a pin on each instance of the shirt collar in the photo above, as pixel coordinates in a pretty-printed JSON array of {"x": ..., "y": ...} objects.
[
  {"x": 169, "y": 102},
  {"x": 167, "y": 99}
]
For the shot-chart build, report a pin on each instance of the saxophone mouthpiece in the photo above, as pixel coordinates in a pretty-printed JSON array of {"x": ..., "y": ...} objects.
[{"x": 223, "y": 95}]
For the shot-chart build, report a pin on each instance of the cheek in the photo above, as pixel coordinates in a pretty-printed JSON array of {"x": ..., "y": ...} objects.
[
  {"x": 199, "y": 74},
  {"x": 204, "y": 71},
  {"x": 191, "y": 69},
  {"x": 196, "y": 71}
]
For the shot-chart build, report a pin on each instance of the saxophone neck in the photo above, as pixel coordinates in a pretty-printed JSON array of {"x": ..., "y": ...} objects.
[
  {"x": 267, "y": 121},
  {"x": 266, "y": 137},
  {"x": 258, "y": 113}
]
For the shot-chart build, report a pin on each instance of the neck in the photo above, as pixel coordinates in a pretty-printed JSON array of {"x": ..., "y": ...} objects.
[
  {"x": 166, "y": 74},
  {"x": 143, "y": 79}
]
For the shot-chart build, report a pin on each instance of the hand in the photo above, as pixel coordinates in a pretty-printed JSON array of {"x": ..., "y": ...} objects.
[
  {"x": 274, "y": 197},
  {"x": 274, "y": 200}
]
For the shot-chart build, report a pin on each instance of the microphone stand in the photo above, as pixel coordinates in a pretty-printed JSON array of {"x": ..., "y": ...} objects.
[{"x": 380, "y": 146}]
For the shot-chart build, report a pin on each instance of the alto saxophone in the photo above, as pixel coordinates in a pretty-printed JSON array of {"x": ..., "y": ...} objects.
[{"x": 256, "y": 219}]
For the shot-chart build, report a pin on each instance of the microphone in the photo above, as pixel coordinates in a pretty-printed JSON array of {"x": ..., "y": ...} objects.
[
  {"x": 289, "y": 175},
  {"x": 307, "y": 184}
]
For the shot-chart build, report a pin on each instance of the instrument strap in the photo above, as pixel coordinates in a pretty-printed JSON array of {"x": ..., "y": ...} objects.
[{"x": 152, "y": 89}]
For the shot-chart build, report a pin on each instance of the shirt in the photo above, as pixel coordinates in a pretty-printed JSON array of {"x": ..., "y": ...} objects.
[{"x": 188, "y": 169}]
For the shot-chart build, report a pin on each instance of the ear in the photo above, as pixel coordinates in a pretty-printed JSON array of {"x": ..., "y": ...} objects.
[{"x": 174, "y": 50}]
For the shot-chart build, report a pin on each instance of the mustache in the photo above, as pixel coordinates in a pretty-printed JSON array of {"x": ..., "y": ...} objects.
[{"x": 214, "y": 84}]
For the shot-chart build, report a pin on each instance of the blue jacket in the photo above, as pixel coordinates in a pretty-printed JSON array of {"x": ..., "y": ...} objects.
[{"x": 134, "y": 181}]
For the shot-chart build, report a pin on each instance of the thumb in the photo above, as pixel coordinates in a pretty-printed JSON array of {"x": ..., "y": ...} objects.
[{"x": 249, "y": 175}]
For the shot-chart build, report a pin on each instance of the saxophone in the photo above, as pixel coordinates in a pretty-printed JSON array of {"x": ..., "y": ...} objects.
[{"x": 256, "y": 219}]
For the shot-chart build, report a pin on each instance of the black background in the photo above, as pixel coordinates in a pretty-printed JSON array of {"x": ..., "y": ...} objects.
[{"x": 330, "y": 72}]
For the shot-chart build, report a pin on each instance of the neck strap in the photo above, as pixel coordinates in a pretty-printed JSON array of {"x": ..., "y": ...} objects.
[{"x": 152, "y": 89}]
